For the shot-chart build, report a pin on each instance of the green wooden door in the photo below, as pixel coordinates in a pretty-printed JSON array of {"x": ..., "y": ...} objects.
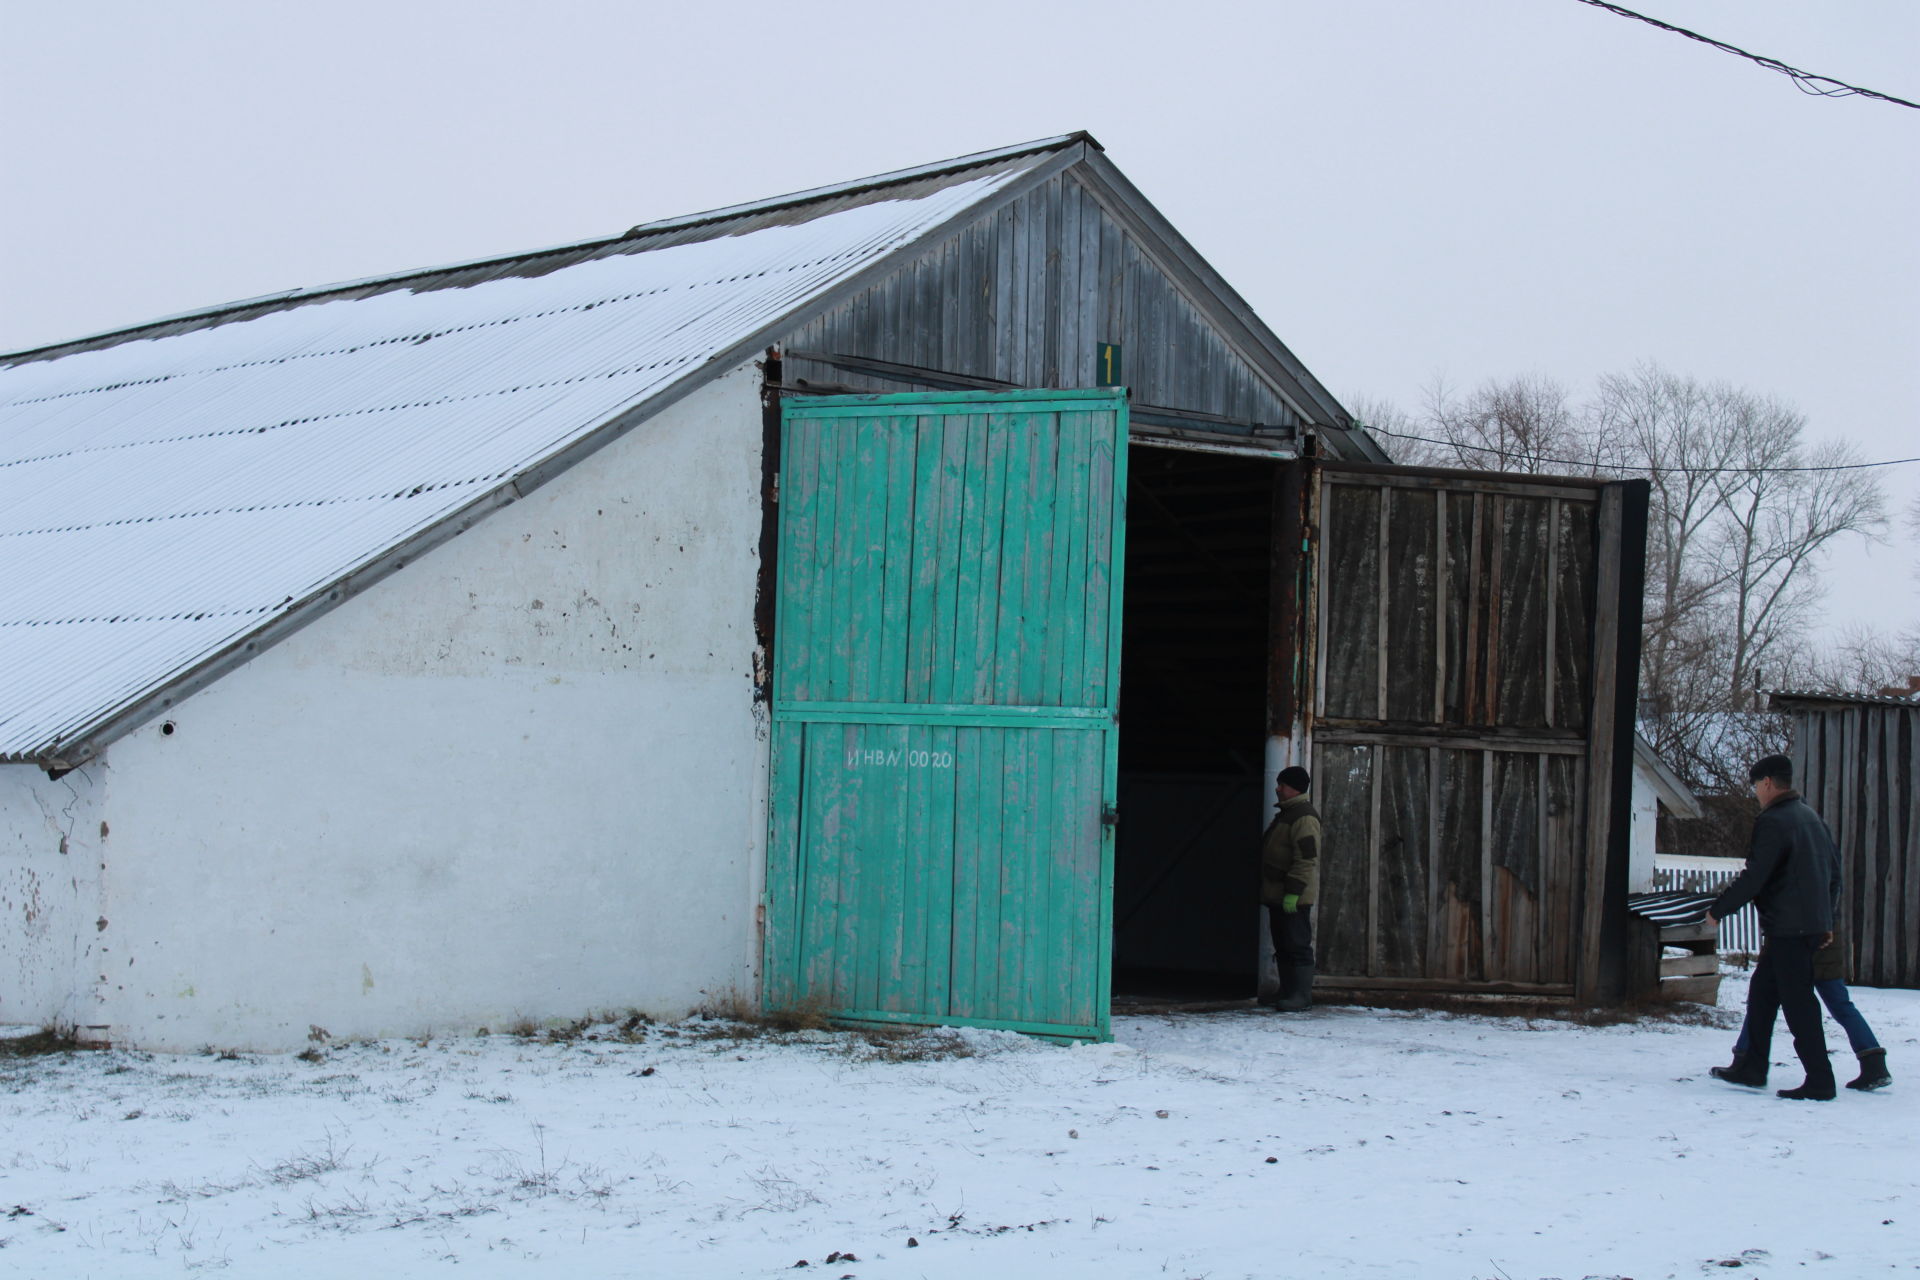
[{"x": 946, "y": 662}]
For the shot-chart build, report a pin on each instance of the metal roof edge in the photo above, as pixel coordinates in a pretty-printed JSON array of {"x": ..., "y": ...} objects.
[
  {"x": 95, "y": 736},
  {"x": 1784, "y": 699},
  {"x": 797, "y": 198},
  {"x": 1210, "y": 291},
  {"x": 858, "y": 185}
]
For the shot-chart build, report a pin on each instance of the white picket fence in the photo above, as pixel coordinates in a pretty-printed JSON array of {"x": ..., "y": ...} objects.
[{"x": 1740, "y": 932}]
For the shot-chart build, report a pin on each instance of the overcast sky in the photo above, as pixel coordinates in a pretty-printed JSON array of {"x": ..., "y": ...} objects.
[{"x": 1404, "y": 189}]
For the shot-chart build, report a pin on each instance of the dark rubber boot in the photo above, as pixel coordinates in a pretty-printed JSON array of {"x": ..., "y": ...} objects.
[
  {"x": 1300, "y": 999},
  {"x": 1744, "y": 1070},
  {"x": 1811, "y": 1091},
  {"x": 1873, "y": 1071},
  {"x": 1273, "y": 999}
]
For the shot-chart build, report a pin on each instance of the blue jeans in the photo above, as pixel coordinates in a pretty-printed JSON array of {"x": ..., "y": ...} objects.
[{"x": 1833, "y": 994}]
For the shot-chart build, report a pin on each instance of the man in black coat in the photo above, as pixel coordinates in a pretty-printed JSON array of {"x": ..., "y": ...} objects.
[{"x": 1793, "y": 877}]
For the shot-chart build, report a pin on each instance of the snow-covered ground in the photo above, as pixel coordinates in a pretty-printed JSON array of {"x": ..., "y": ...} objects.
[{"x": 1348, "y": 1142}]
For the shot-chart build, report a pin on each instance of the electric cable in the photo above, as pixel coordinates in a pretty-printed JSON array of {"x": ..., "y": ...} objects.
[
  {"x": 1805, "y": 81},
  {"x": 1630, "y": 470}
]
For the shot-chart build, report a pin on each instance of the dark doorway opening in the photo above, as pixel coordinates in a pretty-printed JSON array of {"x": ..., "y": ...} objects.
[{"x": 1194, "y": 659}]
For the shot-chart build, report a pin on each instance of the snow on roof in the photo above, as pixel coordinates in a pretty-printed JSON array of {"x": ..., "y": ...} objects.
[{"x": 168, "y": 493}]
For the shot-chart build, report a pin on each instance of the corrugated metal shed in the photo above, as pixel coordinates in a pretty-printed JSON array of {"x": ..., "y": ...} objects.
[{"x": 172, "y": 494}]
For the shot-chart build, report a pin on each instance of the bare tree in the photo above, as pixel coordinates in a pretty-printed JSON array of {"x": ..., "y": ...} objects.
[
  {"x": 1864, "y": 659},
  {"x": 1520, "y": 424},
  {"x": 1673, "y": 431},
  {"x": 1776, "y": 528}
]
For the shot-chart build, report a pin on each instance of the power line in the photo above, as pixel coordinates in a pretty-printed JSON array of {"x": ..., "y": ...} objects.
[
  {"x": 1630, "y": 470},
  {"x": 1806, "y": 81}
]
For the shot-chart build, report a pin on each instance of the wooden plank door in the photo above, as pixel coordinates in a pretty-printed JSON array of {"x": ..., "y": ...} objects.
[
  {"x": 946, "y": 665},
  {"x": 1474, "y": 637}
]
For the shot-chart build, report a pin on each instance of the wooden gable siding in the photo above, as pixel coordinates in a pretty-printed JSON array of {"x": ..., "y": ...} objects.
[{"x": 1022, "y": 297}]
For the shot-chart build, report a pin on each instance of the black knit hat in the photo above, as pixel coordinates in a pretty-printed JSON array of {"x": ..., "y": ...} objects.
[{"x": 1296, "y": 777}]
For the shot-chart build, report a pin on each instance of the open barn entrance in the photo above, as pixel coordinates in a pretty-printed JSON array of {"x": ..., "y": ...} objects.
[{"x": 1193, "y": 710}]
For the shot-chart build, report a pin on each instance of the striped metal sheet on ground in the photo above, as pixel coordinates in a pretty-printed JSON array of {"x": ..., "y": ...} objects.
[
  {"x": 166, "y": 494},
  {"x": 1670, "y": 908}
]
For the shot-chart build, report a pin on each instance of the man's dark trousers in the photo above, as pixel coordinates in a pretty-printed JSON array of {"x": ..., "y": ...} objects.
[
  {"x": 1293, "y": 943},
  {"x": 1783, "y": 979}
]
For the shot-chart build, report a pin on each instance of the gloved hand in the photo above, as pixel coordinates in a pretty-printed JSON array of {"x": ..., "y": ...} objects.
[{"x": 1290, "y": 903}]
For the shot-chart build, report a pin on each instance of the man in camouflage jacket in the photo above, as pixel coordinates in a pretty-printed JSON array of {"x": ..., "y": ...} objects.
[{"x": 1289, "y": 882}]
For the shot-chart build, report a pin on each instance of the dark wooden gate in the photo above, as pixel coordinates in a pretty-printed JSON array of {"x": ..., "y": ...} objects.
[{"x": 1467, "y": 726}]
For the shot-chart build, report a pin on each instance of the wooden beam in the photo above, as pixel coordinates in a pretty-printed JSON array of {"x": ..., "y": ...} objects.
[{"x": 1600, "y": 726}]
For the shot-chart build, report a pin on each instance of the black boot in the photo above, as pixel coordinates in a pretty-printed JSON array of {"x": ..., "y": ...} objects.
[
  {"x": 1812, "y": 1091},
  {"x": 1745, "y": 1069},
  {"x": 1873, "y": 1071},
  {"x": 1300, "y": 998},
  {"x": 1284, "y": 991}
]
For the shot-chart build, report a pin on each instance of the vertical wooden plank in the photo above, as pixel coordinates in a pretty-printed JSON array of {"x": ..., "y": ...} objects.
[
  {"x": 1463, "y": 797},
  {"x": 1069, "y": 607},
  {"x": 1405, "y": 867},
  {"x": 1013, "y": 311},
  {"x": 796, "y": 516},
  {"x": 1106, "y": 486},
  {"x": 987, "y": 639},
  {"x": 781, "y": 949},
  {"x": 1492, "y": 946},
  {"x": 1475, "y": 663},
  {"x": 1440, "y": 601},
  {"x": 831, "y": 879},
  {"x": 1039, "y": 440},
  {"x": 1050, "y": 273},
  {"x": 1090, "y": 289},
  {"x": 1117, "y": 434},
  {"x": 1887, "y": 836},
  {"x": 832, "y": 658},
  {"x": 1866, "y": 825},
  {"x": 1017, "y": 554},
  {"x": 1344, "y": 782},
  {"x": 1600, "y": 754},
  {"x": 1322, "y": 549},
  {"x": 1543, "y": 939},
  {"x": 1385, "y": 561},
  {"x": 1040, "y": 987},
  {"x": 987, "y": 888},
  {"x": 972, "y": 804},
  {"x": 1436, "y": 965},
  {"x": 1908, "y": 974},
  {"x": 923, "y": 561},
  {"x": 897, "y": 618},
  {"x": 1550, "y": 676},
  {"x": 1373, "y": 865}
]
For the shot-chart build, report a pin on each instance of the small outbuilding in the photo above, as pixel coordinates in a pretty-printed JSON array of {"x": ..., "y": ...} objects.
[{"x": 898, "y": 596}]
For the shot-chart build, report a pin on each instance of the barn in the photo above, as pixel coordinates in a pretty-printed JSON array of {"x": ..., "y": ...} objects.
[{"x": 896, "y": 596}]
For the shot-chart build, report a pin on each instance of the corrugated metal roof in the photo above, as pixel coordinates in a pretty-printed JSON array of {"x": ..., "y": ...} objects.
[
  {"x": 168, "y": 491},
  {"x": 1784, "y": 699}
]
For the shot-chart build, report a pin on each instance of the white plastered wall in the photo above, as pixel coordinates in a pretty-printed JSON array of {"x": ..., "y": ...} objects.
[
  {"x": 524, "y": 777},
  {"x": 51, "y": 845},
  {"x": 1646, "y": 827}
]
